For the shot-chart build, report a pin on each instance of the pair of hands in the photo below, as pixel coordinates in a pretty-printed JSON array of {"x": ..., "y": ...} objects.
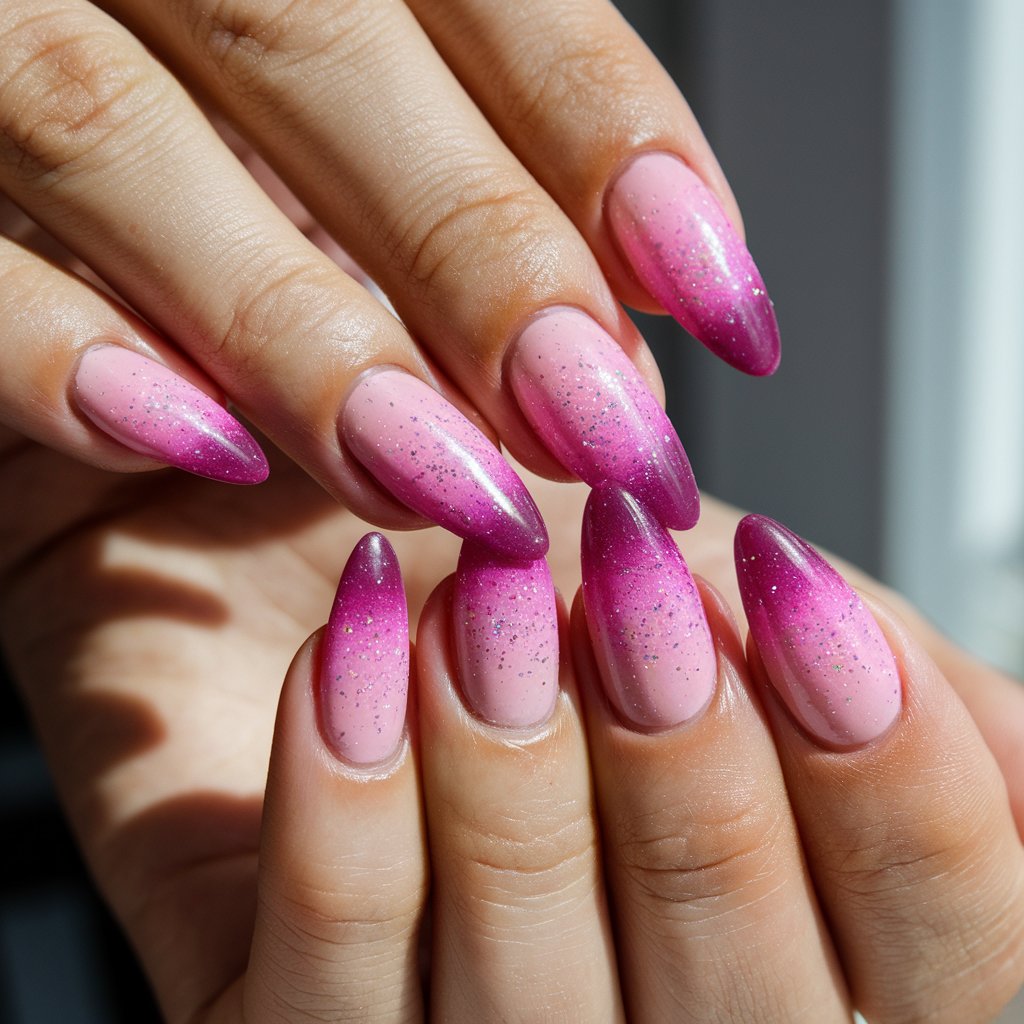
[{"x": 730, "y": 868}]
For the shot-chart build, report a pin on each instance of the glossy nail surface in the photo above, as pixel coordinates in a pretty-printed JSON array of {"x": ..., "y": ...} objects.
[
  {"x": 822, "y": 649},
  {"x": 426, "y": 453},
  {"x": 506, "y": 637},
  {"x": 153, "y": 411},
  {"x": 682, "y": 247},
  {"x": 646, "y": 620},
  {"x": 592, "y": 409},
  {"x": 364, "y": 675}
]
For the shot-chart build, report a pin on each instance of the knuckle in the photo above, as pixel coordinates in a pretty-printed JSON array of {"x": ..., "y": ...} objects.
[
  {"x": 516, "y": 857},
  {"x": 285, "y": 298},
  {"x": 685, "y": 862},
  {"x": 462, "y": 223},
  {"x": 250, "y": 42},
  {"x": 68, "y": 86}
]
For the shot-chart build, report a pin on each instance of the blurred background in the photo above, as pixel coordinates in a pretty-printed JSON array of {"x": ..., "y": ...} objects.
[{"x": 877, "y": 151}]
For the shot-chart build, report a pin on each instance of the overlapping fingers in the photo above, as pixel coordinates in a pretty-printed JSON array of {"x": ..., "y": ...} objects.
[
  {"x": 355, "y": 105},
  {"x": 106, "y": 150}
]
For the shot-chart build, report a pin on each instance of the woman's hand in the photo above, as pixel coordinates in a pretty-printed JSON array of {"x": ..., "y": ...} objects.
[
  {"x": 749, "y": 869},
  {"x": 505, "y": 172}
]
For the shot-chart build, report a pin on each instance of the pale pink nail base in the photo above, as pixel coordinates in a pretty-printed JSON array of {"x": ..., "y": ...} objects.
[
  {"x": 151, "y": 410},
  {"x": 592, "y": 409},
  {"x": 364, "y": 674},
  {"x": 506, "y": 637},
  {"x": 644, "y": 613},
  {"x": 426, "y": 453},
  {"x": 682, "y": 247},
  {"x": 822, "y": 649}
]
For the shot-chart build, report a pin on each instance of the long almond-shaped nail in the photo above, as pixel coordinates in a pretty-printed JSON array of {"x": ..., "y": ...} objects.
[
  {"x": 646, "y": 620},
  {"x": 364, "y": 674},
  {"x": 426, "y": 453},
  {"x": 592, "y": 409},
  {"x": 675, "y": 235},
  {"x": 822, "y": 649},
  {"x": 506, "y": 637},
  {"x": 153, "y": 411}
]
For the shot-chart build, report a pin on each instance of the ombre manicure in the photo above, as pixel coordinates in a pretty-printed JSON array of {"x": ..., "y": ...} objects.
[
  {"x": 364, "y": 674},
  {"x": 151, "y": 410},
  {"x": 592, "y": 409},
  {"x": 646, "y": 620},
  {"x": 676, "y": 236},
  {"x": 822, "y": 649},
  {"x": 506, "y": 637},
  {"x": 426, "y": 453}
]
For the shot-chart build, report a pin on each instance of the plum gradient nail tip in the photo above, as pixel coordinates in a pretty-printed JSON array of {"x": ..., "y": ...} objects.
[
  {"x": 153, "y": 411},
  {"x": 586, "y": 400},
  {"x": 821, "y": 647},
  {"x": 678, "y": 240},
  {"x": 644, "y": 613},
  {"x": 426, "y": 453},
  {"x": 506, "y": 637},
  {"x": 365, "y": 665}
]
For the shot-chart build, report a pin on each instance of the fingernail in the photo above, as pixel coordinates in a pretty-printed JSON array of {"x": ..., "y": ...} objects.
[
  {"x": 364, "y": 677},
  {"x": 592, "y": 409},
  {"x": 646, "y": 620},
  {"x": 675, "y": 235},
  {"x": 822, "y": 649},
  {"x": 427, "y": 454},
  {"x": 506, "y": 637},
  {"x": 153, "y": 411}
]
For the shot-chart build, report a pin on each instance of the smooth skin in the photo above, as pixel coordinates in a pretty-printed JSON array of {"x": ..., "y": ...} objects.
[
  {"x": 150, "y": 621},
  {"x": 460, "y": 151}
]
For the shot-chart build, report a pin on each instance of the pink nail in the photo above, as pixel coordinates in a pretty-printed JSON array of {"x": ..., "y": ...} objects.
[
  {"x": 679, "y": 242},
  {"x": 426, "y": 453},
  {"x": 821, "y": 648},
  {"x": 506, "y": 637},
  {"x": 646, "y": 620},
  {"x": 364, "y": 677},
  {"x": 590, "y": 406},
  {"x": 153, "y": 411}
]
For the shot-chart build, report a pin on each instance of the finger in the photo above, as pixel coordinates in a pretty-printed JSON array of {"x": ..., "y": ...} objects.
[
  {"x": 903, "y": 812},
  {"x": 342, "y": 880},
  {"x": 520, "y": 926},
  {"x": 598, "y": 122},
  {"x": 715, "y": 916},
  {"x": 84, "y": 376},
  {"x": 108, "y": 152},
  {"x": 478, "y": 260}
]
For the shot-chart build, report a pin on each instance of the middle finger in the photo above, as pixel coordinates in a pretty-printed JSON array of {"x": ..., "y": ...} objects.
[{"x": 351, "y": 103}]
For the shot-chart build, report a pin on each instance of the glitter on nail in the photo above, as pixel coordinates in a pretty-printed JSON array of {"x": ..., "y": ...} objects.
[
  {"x": 592, "y": 409},
  {"x": 364, "y": 676},
  {"x": 679, "y": 242},
  {"x": 644, "y": 613},
  {"x": 822, "y": 649}
]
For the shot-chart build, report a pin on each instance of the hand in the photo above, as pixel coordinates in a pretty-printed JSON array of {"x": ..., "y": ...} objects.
[
  {"x": 505, "y": 172},
  {"x": 151, "y": 636}
]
